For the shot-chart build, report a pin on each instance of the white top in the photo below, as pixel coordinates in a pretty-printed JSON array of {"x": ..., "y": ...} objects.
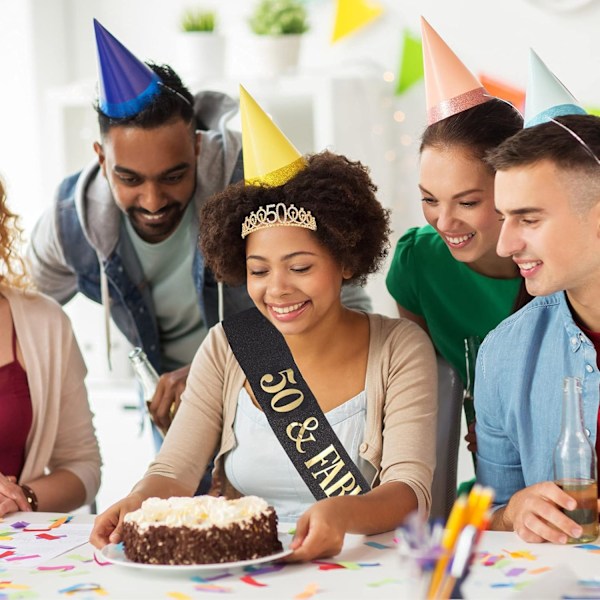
[{"x": 258, "y": 462}]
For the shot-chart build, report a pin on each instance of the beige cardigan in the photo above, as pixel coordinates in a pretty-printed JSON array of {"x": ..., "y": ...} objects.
[
  {"x": 401, "y": 389},
  {"x": 62, "y": 434}
]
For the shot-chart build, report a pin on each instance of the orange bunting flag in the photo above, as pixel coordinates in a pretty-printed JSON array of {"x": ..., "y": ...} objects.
[
  {"x": 352, "y": 15},
  {"x": 502, "y": 90}
]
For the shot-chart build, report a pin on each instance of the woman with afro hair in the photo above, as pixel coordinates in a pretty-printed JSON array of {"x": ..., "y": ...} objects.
[{"x": 294, "y": 246}]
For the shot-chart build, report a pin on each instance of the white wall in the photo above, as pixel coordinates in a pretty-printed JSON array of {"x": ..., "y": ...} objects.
[{"x": 50, "y": 48}]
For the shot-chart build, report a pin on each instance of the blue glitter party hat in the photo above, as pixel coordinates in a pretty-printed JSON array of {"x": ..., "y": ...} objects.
[
  {"x": 127, "y": 85},
  {"x": 546, "y": 97}
]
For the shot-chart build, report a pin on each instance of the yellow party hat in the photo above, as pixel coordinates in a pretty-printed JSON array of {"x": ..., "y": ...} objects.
[
  {"x": 352, "y": 15},
  {"x": 449, "y": 86},
  {"x": 269, "y": 157}
]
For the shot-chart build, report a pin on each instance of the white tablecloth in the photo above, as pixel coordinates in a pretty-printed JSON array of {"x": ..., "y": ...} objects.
[{"x": 368, "y": 567}]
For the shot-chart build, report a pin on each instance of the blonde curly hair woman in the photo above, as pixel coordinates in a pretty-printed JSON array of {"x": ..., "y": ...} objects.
[{"x": 49, "y": 456}]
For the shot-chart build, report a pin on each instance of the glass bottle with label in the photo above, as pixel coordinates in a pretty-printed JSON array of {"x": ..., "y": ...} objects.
[
  {"x": 146, "y": 375},
  {"x": 575, "y": 463}
]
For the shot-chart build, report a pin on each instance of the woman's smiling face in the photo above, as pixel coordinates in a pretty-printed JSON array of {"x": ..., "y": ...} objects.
[{"x": 458, "y": 202}]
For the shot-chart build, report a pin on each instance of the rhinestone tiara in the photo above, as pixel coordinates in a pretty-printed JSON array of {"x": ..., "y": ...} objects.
[{"x": 278, "y": 215}]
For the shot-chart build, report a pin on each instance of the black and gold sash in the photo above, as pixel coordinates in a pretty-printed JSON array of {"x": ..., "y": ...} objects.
[{"x": 291, "y": 408}]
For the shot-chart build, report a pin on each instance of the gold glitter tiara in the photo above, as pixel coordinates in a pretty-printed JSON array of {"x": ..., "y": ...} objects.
[{"x": 278, "y": 215}]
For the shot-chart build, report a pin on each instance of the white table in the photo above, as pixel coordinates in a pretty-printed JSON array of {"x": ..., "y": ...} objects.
[{"x": 369, "y": 569}]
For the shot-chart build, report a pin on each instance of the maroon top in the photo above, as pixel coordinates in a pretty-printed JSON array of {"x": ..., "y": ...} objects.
[{"x": 15, "y": 414}]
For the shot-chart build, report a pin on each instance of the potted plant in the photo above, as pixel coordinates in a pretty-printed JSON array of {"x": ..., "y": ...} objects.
[
  {"x": 278, "y": 26},
  {"x": 200, "y": 48}
]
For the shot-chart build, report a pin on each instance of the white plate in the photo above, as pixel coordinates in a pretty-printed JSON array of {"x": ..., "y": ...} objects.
[{"x": 114, "y": 553}]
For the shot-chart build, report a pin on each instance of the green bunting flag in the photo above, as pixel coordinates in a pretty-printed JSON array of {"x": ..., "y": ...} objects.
[{"x": 411, "y": 62}]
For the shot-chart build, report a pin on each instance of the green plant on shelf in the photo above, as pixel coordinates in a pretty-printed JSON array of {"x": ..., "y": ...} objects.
[
  {"x": 279, "y": 17},
  {"x": 197, "y": 19}
]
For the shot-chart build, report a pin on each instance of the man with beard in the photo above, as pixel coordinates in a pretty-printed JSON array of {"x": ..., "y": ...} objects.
[{"x": 124, "y": 231}]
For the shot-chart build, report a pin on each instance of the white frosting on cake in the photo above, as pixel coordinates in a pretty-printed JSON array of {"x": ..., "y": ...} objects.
[{"x": 199, "y": 512}]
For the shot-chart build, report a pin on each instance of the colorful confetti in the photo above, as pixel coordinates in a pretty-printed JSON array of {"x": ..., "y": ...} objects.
[
  {"x": 251, "y": 581},
  {"x": 382, "y": 582},
  {"x": 539, "y": 571},
  {"x": 262, "y": 570},
  {"x": 377, "y": 545},
  {"x": 57, "y": 568},
  {"x": 210, "y": 587},
  {"x": 9, "y": 585},
  {"x": 526, "y": 554},
  {"x": 84, "y": 587},
  {"x": 47, "y": 536},
  {"x": 20, "y": 524},
  {"x": 515, "y": 572},
  {"x": 199, "y": 579},
  {"x": 309, "y": 591},
  {"x": 178, "y": 596}
]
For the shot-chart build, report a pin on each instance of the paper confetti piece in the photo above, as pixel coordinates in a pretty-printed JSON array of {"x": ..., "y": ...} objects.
[
  {"x": 19, "y": 524},
  {"x": 7, "y": 553},
  {"x": 199, "y": 579},
  {"x": 327, "y": 566},
  {"x": 34, "y": 530},
  {"x": 178, "y": 596},
  {"x": 7, "y": 547},
  {"x": 100, "y": 563},
  {"x": 251, "y": 581},
  {"x": 538, "y": 571},
  {"x": 352, "y": 566},
  {"x": 502, "y": 585},
  {"x": 526, "y": 554},
  {"x": 80, "y": 558},
  {"x": 262, "y": 570},
  {"x": 521, "y": 585},
  {"x": 309, "y": 591},
  {"x": 491, "y": 560},
  {"x": 84, "y": 587},
  {"x": 24, "y": 557},
  {"x": 504, "y": 562},
  {"x": 47, "y": 536},
  {"x": 6, "y": 535},
  {"x": 9, "y": 585},
  {"x": 57, "y": 568},
  {"x": 382, "y": 582},
  {"x": 581, "y": 546},
  {"x": 211, "y": 587},
  {"x": 515, "y": 572},
  {"x": 59, "y": 522},
  {"x": 377, "y": 545},
  {"x": 292, "y": 531}
]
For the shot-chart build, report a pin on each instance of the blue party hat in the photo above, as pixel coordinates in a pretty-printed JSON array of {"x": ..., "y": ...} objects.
[
  {"x": 546, "y": 97},
  {"x": 127, "y": 85}
]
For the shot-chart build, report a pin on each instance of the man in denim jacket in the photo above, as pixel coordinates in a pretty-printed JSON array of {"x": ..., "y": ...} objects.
[
  {"x": 547, "y": 191},
  {"x": 124, "y": 230}
]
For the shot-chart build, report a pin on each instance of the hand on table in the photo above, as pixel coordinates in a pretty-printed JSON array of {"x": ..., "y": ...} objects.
[
  {"x": 535, "y": 514},
  {"x": 167, "y": 397},
  {"x": 320, "y": 531},
  {"x": 12, "y": 497},
  {"x": 471, "y": 438},
  {"x": 108, "y": 525}
]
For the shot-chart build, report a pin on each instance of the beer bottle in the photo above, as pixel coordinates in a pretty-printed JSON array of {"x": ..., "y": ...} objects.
[
  {"x": 575, "y": 468},
  {"x": 146, "y": 375}
]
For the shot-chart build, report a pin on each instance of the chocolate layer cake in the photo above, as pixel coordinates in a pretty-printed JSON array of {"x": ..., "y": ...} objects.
[{"x": 200, "y": 530}]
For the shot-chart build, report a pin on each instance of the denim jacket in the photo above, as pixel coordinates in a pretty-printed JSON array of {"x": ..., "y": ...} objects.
[{"x": 518, "y": 393}]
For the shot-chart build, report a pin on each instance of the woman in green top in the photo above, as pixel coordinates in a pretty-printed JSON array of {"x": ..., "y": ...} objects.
[{"x": 446, "y": 276}]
